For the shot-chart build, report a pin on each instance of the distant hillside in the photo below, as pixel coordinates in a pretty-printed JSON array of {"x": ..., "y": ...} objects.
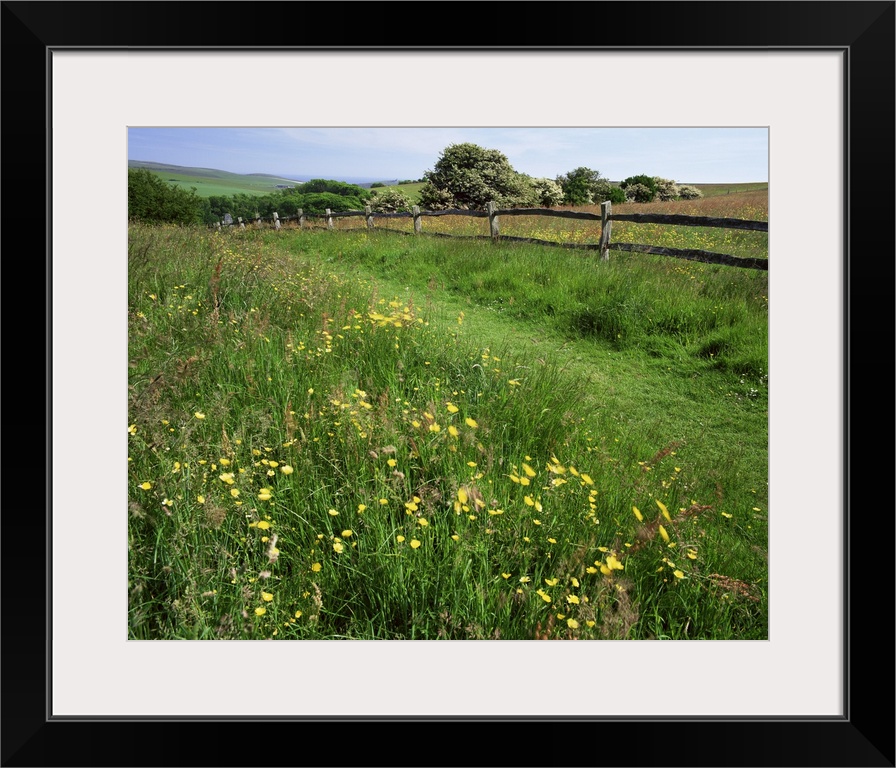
[{"x": 211, "y": 181}]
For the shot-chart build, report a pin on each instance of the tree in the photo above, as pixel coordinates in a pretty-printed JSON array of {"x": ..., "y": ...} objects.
[
  {"x": 468, "y": 176},
  {"x": 584, "y": 186}
]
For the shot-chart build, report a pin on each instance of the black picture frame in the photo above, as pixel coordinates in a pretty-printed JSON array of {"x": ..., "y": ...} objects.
[{"x": 863, "y": 736}]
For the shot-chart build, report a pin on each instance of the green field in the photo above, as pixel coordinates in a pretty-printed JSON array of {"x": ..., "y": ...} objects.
[
  {"x": 371, "y": 435},
  {"x": 714, "y": 190},
  {"x": 411, "y": 190},
  {"x": 209, "y": 182}
]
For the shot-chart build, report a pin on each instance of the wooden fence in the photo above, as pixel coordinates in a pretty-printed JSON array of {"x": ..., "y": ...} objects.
[{"x": 606, "y": 218}]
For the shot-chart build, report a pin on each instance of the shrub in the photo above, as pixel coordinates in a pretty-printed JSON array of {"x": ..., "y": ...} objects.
[
  {"x": 548, "y": 193},
  {"x": 583, "y": 186},
  {"x": 318, "y": 202},
  {"x": 638, "y": 193},
  {"x": 152, "y": 200},
  {"x": 686, "y": 192},
  {"x": 391, "y": 201},
  {"x": 616, "y": 195},
  {"x": 666, "y": 189}
]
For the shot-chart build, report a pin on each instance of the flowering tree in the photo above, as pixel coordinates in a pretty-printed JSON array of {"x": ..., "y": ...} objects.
[{"x": 468, "y": 176}]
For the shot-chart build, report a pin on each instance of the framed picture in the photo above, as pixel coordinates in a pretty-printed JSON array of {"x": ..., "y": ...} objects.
[{"x": 817, "y": 75}]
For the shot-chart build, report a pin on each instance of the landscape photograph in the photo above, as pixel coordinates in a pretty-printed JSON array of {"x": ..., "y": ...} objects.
[{"x": 448, "y": 383}]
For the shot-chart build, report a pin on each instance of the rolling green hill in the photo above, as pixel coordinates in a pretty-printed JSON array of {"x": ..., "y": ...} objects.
[{"x": 209, "y": 181}]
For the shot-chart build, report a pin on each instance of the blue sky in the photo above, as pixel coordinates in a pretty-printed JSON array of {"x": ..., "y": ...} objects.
[{"x": 685, "y": 155}]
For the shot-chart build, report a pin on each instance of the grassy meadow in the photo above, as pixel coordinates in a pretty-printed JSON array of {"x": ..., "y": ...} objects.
[{"x": 359, "y": 434}]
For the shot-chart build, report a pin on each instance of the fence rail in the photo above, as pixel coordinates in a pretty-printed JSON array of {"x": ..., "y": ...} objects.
[{"x": 606, "y": 218}]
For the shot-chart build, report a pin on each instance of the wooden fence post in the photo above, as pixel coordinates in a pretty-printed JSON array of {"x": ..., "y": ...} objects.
[
  {"x": 368, "y": 214},
  {"x": 329, "y": 219},
  {"x": 276, "y": 221},
  {"x": 257, "y": 219},
  {"x": 418, "y": 222},
  {"x": 605, "y": 227},
  {"x": 492, "y": 220},
  {"x": 301, "y": 215},
  {"x": 240, "y": 220}
]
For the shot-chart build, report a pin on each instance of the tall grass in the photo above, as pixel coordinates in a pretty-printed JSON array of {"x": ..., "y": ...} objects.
[{"x": 366, "y": 435}]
